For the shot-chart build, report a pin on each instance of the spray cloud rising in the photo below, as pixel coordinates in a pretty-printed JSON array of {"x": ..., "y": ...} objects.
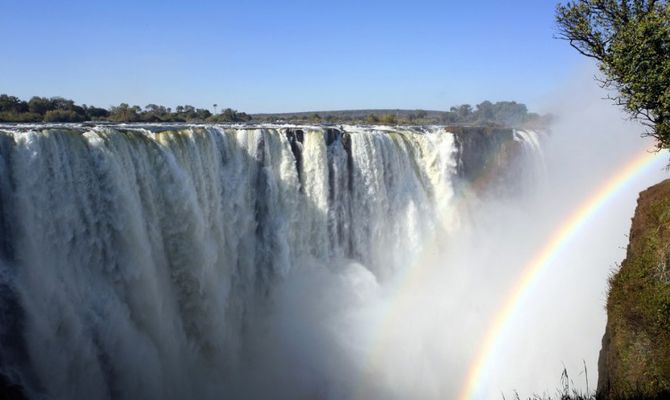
[
  {"x": 415, "y": 335},
  {"x": 284, "y": 262}
]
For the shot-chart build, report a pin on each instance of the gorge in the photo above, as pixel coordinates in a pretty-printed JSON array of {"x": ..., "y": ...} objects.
[
  {"x": 140, "y": 261},
  {"x": 247, "y": 261}
]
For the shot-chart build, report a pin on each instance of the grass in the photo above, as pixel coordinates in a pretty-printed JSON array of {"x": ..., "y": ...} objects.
[{"x": 567, "y": 389}]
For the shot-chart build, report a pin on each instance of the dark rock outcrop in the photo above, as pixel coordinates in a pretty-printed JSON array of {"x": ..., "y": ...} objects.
[
  {"x": 487, "y": 159},
  {"x": 634, "y": 360},
  {"x": 296, "y": 137}
]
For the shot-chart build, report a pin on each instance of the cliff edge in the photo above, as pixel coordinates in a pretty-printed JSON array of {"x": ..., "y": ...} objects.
[{"x": 634, "y": 361}]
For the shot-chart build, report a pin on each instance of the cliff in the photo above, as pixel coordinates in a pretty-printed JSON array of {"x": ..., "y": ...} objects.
[
  {"x": 635, "y": 356},
  {"x": 490, "y": 160}
]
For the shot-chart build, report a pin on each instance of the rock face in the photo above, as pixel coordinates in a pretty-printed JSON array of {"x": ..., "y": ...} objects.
[
  {"x": 635, "y": 356},
  {"x": 489, "y": 159},
  {"x": 482, "y": 148}
]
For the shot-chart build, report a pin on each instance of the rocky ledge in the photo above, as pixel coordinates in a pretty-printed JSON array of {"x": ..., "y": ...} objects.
[{"x": 634, "y": 360}]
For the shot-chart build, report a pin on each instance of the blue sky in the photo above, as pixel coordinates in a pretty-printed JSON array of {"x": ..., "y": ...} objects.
[{"x": 275, "y": 56}]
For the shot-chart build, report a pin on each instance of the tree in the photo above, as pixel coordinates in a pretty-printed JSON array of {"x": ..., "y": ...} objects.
[
  {"x": 485, "y": 111},
  {"x": 389, "y": 119},
  {"x": 228, "y": 115},
  {"x": 124, "y": 113},
  {"x": 12, "y": 104},
  {"x": 510, "y": 113},
  {"x": 202, "y": 114},
  {"x": 60, "y": 115},
  {"x": 39, "y": 105},
  {"x": 96, "y": 112},
  {"x": 630, "y": 40},
  {"x": 60, "y": 103},
  {"x": 463, "y": 113},
  {"x": 59, "y": 109},
  {"x": 153, "y": 108}
]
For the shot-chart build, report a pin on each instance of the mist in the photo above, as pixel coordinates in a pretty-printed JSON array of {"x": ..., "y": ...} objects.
[
  {"x": 338, "y": 331},
  {"x": 269, "y": 261}
]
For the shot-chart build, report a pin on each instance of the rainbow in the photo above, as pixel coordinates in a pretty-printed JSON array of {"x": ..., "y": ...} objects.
[
  {"x": 409, "y": 279},
  {"x": 532, "y": 270}
]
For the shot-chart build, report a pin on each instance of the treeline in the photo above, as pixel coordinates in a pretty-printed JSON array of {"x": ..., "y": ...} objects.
[
  {"x": 507, "y": 113},
  {"x": 42, "y": 109},
  {"x": 156, "y": 113},
  {"x": 503, "y": 113},
  {"x": 58, "y": 109}
]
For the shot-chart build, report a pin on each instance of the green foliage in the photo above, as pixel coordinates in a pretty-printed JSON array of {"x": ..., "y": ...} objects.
[
  {"x": 42, "y": 109},
  {"x": 58, "y": 109},
  {"x": 389, "y": 119},
  {"x": 10, "y": 116},
  {"x": 95, "y": 113},
  {"x": 62, "y": 116},
  {"x": 124, "y": 113},
  {"x": 638, "y": 305},
  {"x": 630, "y": 39},
  {"x": 12, "y": 104},
  {"x": 39, "y": 105},
  {"x": 230, "y": 115},
  {"x": 502, "y": 114}
]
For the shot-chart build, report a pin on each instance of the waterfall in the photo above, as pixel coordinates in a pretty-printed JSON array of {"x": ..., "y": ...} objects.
[
  {"x": 532, "y": 145},
  {"x": 133, "y": 260}
]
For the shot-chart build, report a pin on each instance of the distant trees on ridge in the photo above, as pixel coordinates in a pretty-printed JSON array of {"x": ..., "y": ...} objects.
[{"x": 58, "y": 109}]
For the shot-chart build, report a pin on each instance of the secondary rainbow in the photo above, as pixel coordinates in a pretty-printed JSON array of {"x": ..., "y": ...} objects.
[{"x": 543, "y": 258}]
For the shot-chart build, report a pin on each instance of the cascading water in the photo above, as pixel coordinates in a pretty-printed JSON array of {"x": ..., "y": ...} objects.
[
  {"x": 135, "y": 262},
  {"x": 533, "y": 150}
]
